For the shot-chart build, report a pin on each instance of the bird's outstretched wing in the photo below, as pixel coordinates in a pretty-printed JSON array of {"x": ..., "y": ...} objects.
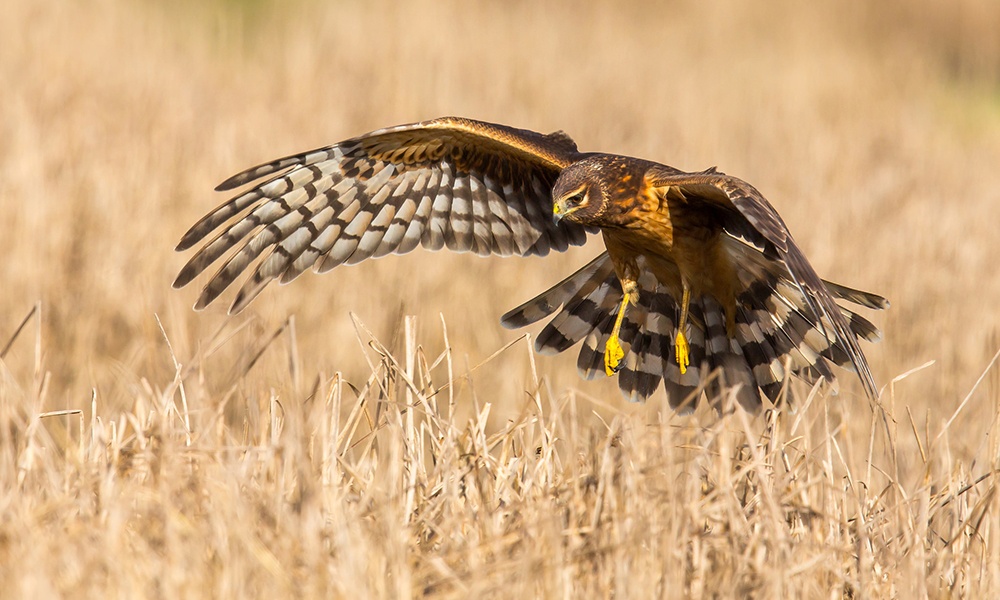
[
  {"x": 449, "y": 183},
  {"x": 747, "y": 215}
]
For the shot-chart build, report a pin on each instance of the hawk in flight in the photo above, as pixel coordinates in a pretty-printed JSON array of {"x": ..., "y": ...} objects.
[{"x": 701, "y": 284}]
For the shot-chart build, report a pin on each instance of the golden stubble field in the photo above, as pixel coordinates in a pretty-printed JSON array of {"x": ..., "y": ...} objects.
[{"x": 296, "y": 450}]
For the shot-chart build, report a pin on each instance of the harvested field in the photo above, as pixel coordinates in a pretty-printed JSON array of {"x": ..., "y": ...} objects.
[{"x": 374, "y": 432}]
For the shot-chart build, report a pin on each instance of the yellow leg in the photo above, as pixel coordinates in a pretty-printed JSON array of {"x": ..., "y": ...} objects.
[
  {"x": 682, "y": 351},
  {"x": 613, "y": 352}
]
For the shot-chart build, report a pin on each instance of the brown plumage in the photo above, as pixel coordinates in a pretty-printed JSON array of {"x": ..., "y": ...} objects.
[{"x": 701, "y": 280}]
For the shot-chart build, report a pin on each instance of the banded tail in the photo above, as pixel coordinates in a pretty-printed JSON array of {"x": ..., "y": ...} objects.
[{"x": 776, "y": 333}]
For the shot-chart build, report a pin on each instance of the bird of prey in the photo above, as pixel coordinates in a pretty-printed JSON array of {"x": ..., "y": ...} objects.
[{"x": 701, "y": 285}]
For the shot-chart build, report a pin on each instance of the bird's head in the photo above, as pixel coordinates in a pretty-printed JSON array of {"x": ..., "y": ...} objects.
[{"x": 578, "y": 195}]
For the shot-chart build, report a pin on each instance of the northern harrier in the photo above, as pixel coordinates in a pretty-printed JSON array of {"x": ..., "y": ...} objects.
[{"x": 701, "y": 284}]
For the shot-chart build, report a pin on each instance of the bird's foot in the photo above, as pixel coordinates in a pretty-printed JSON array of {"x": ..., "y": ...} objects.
[
  {"x": 682, "y": 352},
  {"x": 613, "y": 355}
]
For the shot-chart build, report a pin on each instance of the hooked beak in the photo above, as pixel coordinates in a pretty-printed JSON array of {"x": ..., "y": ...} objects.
[{"x": 558, "y": 212}]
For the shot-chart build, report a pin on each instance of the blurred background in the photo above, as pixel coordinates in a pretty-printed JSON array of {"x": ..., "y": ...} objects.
[{"x": 874, "y": 128}]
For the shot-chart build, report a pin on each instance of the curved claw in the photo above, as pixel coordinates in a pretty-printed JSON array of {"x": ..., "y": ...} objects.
[{"x": 613, "y": 355}]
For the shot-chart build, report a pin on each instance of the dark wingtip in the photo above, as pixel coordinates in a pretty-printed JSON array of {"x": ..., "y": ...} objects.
[
  {"x": 233, "y": 182},
  {"x": 875, "y": 301},
  {"x": 208, "y": 295},
  {"x": 190, "y": 238},
  {"x": 510, "y": 321},
  {"x": 239, "y": 303},
  {"x": 859, "y": 297},
  {"x": 185, "y": 277}
]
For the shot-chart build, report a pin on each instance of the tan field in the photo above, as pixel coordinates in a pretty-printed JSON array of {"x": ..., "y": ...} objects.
[{"x": 374, "y": 432}]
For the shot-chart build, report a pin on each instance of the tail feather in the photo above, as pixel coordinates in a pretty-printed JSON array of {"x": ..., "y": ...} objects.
[
  {"x": 796, "y": 339},
  {"x": 758, "y": 349},
  {"x": 730, "y": 367},
  {"x": 641, "y": 371},
  {"x": 651, "y": 353},
  {"x": 776, "y": 334},
  {"x": 575, "y": 320},
  {"x": 794, "y": 319},
  {"x": 595, "y": 274},
  {"x": 590, "y": 362},
  {"x": 682, "y": 388}
]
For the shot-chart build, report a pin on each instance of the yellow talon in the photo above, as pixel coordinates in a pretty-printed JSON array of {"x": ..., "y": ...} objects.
[
  {"x": 683, "y": 357},
  {"x": 682, "y": 353},
  {"x": 613, "y": 355},
  {"x": 613, "y": 352}
]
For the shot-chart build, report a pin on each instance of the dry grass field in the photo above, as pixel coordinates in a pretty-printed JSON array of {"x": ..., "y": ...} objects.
[{"x": 374, "y": 432}]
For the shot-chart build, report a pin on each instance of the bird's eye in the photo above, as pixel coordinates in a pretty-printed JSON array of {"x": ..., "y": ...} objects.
[{"x": 575, "y": 199}]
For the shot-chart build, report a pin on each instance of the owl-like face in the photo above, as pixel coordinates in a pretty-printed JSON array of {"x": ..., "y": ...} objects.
[{"x": 577, "y": 195}]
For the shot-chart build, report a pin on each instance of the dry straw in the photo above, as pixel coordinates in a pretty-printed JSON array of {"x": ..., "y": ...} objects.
[{"x": 340, "y": 440}]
